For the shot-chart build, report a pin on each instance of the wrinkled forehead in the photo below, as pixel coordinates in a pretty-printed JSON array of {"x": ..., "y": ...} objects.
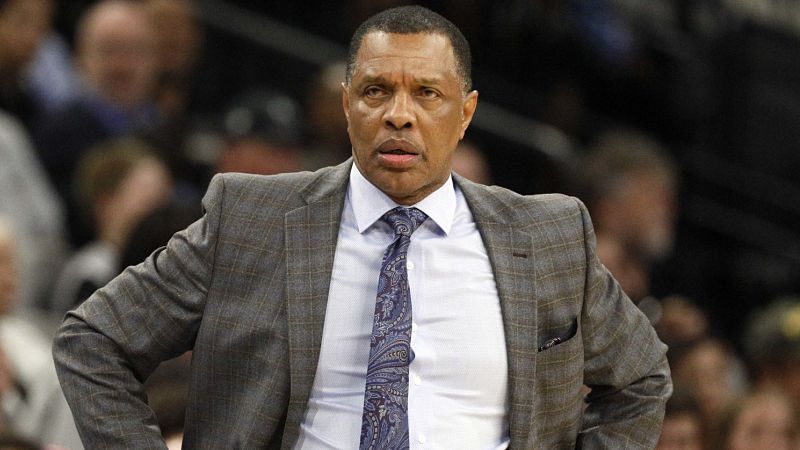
[{"x": 427, "y": 54}]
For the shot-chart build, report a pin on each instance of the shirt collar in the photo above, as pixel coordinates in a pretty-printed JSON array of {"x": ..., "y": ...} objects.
[{"x": 370, "y": 203}]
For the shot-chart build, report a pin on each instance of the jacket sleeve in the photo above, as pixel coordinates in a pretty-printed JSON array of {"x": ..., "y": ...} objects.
[
  {"x": 107, "y": 347},
  {"x": 625, "y": 364}
]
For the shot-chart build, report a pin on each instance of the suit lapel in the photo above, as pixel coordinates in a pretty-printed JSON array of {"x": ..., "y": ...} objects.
[
  {"x": 512, "y": 257},
  {"x": 311, "y": 232}
]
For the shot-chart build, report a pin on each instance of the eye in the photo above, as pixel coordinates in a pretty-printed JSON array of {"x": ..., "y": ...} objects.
[
  {"x": 374, "y": 91},
  {"x": 429, "y": 93}
]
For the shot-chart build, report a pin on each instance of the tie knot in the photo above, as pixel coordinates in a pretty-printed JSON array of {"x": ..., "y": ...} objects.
[{"x": 404, "y": 221}]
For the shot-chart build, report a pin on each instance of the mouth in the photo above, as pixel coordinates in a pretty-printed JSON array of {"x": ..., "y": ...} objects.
[{"x": 398, "y": 153}]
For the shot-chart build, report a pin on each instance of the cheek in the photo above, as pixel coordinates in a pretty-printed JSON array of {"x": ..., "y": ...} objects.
[
  {"x": 451, "y": 125},
  {"x": 363, "y": 124},
  {"x": 442, "y": 138}
]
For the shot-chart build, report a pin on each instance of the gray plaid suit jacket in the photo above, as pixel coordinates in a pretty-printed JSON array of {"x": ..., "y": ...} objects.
[{"x": 246, "y": 288}]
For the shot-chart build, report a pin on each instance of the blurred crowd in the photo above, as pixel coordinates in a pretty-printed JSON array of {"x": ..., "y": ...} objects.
[{"x": 102, "y": 159}]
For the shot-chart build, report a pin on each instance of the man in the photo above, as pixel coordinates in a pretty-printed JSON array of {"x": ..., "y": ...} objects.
[
  {"x": 630, "y": 186},
  {"x": 275, "y": 292},
  {"x": 116, "y": 58},
  {"x": 179, "y": 42}
]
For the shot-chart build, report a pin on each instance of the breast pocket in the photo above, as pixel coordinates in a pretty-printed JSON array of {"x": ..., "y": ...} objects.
[{"x": 558, "y": 337}]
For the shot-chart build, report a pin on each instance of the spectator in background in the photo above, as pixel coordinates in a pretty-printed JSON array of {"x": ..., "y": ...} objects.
[
  {"x": 326, "y": 124},
  {"x": 470, "y": 162},
  {"x": 683, "y": 424},
  {"x": 765, "y": 419},
  {"x": 262, "y": 130},
  {"x": 628, "y": 269},
  {"x": 23, "y": 26},
  {"x": 710, "y": 372},
  {"x": 117, "y": 61},
  {"x": 630, "y": 187},
  {"x": 680, "y": 322},
  {"x": 51, "y": 76},
  {"x": 119, "y": 183},
  {"x": 31, "y": 400},
  {"x": 34, "y": 209},
  {"x": 772, "y": 346},
  {"x": 179, "y": 39}
]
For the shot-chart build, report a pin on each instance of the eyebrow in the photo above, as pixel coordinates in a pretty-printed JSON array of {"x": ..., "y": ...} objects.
[
  {"x": 429, "y": 81},
  {"x": 425, "y": 81},
  {"x": 370, "y": 79}
]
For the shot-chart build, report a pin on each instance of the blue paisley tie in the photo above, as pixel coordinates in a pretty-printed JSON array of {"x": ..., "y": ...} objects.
[{"x": 384, "y": 424}]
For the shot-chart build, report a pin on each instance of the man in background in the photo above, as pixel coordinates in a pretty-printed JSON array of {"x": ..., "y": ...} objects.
[{"x": 118, "y": 65}]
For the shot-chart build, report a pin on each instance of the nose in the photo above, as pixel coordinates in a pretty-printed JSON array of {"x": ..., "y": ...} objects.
[{"x": 400, "y": 112}]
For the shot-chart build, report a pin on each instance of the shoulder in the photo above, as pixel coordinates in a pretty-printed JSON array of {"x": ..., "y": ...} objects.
[
  {"x": 514, "y": 207},
  {"x": 234, "y": 185},
  {"x": 551, "y": 201},
  {"x": 280, "y": 184},
  {"x": 286, "y": 190}
]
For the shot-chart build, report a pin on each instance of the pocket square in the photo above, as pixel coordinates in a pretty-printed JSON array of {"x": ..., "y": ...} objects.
[
  {"x": 560, "y": 338},
  {"x": 550, "y": 343}
]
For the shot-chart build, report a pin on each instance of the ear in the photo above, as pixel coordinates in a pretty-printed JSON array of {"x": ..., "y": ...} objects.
[
  {"x": 346, "y": 102},
  {"x": 467, "y": 111}
]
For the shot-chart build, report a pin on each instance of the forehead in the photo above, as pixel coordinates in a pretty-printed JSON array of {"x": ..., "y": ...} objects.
[
  {"x": 423, "y": 53},
  {"x": 118, "y": 21}
]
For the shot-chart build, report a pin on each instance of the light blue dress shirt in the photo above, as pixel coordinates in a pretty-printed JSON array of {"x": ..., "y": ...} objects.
[{"x": 459, "y": 377}]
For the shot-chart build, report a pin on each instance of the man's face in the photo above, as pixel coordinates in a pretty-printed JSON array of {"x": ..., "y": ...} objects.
[
  {"x": 681, "y": 432},
  {"x": 642, "y": 212},
  {"x": 406, "y": 111},
  {"x": 23, "y": 25},
  {"x": 117, "y": 55}
]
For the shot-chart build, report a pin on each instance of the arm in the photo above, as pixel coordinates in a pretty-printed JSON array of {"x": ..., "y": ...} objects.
[
  {"x": 108, "y": 347},
  {"x": 625, "y": 364}
]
